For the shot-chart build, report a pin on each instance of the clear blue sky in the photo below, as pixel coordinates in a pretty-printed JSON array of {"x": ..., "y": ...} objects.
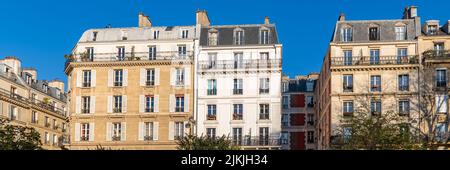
[{"x": 41, "y": 32}]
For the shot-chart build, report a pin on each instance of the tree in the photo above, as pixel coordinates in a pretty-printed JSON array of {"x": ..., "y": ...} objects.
[
  {"x": 191, "y": 142},
  {"x": 14, "y": 137},
  {"x": 383, "y": 131}
]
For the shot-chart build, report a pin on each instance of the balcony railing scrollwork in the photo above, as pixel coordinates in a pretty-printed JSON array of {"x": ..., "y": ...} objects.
[{"x": 378, "y": 60}]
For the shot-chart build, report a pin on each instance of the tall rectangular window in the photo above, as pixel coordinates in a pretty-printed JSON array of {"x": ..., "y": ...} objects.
[
  {"x": 212, "y": 38},
  {"x": 152, "y": 53},
  {"x": 264, "y": 112},
  {"x": 116, "y": 131},
  {"x": 403, "y": 107},
  {"x": 309, "y": 85},
  {"x": 237, "y": 86},
  {"x": 150, "y": 77},
  {"x": 182, "y": 51},
  {"x": 263, "y": 136},
  {"x": 375, "y": 83},
  {"x": 264, "y": 36},
  {"x": 237, "y": 136},
  {"x": 375, "y": 56},
  {"x": 179, "y": 130},
  {"x": 87, "y": 78},
  {"x": 347, "y": 34},
  {"x": 402, "y": 56},
  {"x": 121, "y": 53},
  {"x": 375, "y": 107},
  {"x": 441, "y": 78},
  {"x": 212, "y": 112},
  {"x": 84, "y": 135},
  {"x": 238, "y": 111},
  {"x": 148, "y": 131},
  {"x": 156, "y": 34},
  {"x": 310, "y": 119},
  {"x": 403, "y": 82},
  {"x": 118, "y": 78},
  {"x": 439, "y": 49},
  {"x": 117, "y": 104},
  {"x": 86, "y": 104},
  {"x": 179, "y": 107},
  {"x": 149, "y": 104},
  {"x": 34, "y": 117},
  {"x": 239, "y": 37},
  {"x": 264, "y": 85},
  {"x": 348, "y": 83},
  {"x": 179, "y": 76},
  {"x": 285, "y": 120},
  {"x": 374, "y": 34},
  {"x": 348, "y": 108},
  {"x": 212, "y": 58},
  {"x": 310, "y": 137},
  {"x": 285, "y": 100},
  {"x": 348, "y": 57},
  {"x": 400, "y": 33},
  {"x": 184, "y": 34},
  {"x": 94, "y": 36},
  {"x": 90, "y": 53},
  {"x": 310, "y": 101},
  {"x": 212, "y": 87},
  {"x": 238, "y": 60},
  {"x": 432, "y": 29},
  {"x": 13, "y": 115},
  {"x": 211, "y": 132}
]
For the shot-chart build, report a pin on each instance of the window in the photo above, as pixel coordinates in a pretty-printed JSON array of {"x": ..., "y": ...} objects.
[
  {"x": 150, "y": 77},
  {"x": 375, "y": 107},
  {"x": 309, "y": 86},
  {"x": 402, "y": 56},
  {"x": 28, "y": 78},
  {"x": 284, "y": 138},
  {"x": 348, "y": 108},
  {"x": 116, "y": 131},
  {"x": 179, "y": 77},
  {"x": 94, "y": 36},
  {"x": 374, "y": 56},
  {"x": 264, "y": 112},
  {"x": 34, "y": 117},
  {"x": 375, "y": 83},
  {"x": 348, "y": 57},
  {"x": 118, "y": 78},
  {"x": 117, "y": 104},
  {"x": 440, "y": 129},
  {"x": 179, "y": 130},
  {"x": 237, "y": 111},
  {"x": 347, "y": 34},
  {"x": 237, "y": 136},
  {"x": 212, "y": 38},
  {"x": 285, "y": 100},
  {"x": 441, "y": 103},
  {"x": 403, "y": 82},
  {"x": 403, "y": 107},
  {"x": 55, "y": 140},
  {"x": 63, "y": 128},
  {"x": 212, "y": 87},
  {"x": 148, "y": 131},
  {"x": 400, "y": 33},
  {"x": 86, "y": 104},
  {"x": 212, "y": 58},
  {"x": 211, "y": 132},
  {"x": 239, "y": 37},
  {"x": 432, "y": 29},
  {"x": 285, "y": 86},
  {"x": 182, "y": 51},
  {"x": 441, "y": 78},
  {"x": 156, "y": 34},
  {"x": 348, "y": 83},
  {"x": 263, "y": 136},
  {"x": 184, "y": 33},
  {"x": 439, "y": 49},
  {"x": 310, "y": 137},
  {"x": 87, "y": 78},
  {"x": 47, "y": 138},
  {"x": 84, "y": 132},
  {"x": 13, "y": 115},
  {"x": 152, "y": 53},
  {"x": 45, "y": 88},
  {"x": 149, "y": 104},
  {"x": 179, "y": 104},
  {"x": 33, "y": 97},
  {"x": 121, "y": 53},
  {"x": 90, "y": 53},
  {"x": 347, "y": 133},
  {"x": 310, "y": 119},
  {"x": 263, "y": 85},
  {"x": 124, "y": 35},
  {"x": 310, "y": 101},
  {"x": 284, "y": 120},
  {"x": 238, "y": 60},
  {"x": 264, "y": 37},
  {"x": 212, "y": 112},
  {"x": 47, "y": 122},
  {"x": 264, "y": 60},
  {"x": 237, "y": 86},
  {"x": 374, "y": 34}
]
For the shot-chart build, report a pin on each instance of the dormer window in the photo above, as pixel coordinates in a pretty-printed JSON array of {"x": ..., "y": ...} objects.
[
  {"x": 374, "y": 33},
  {"x": 347, "y": 34},
  {"x": 184, "y": 34},
  {"x": 212, "y": 37},
  {"x": 432, "y": 29},
  {"x": 45, "y": 88},
  {"x": 156, "y": 34},
  {"x": 239, "y": 36},
  {"x": 94, "y": 36},
  {"x": 400, "y": 33},
  {"x": 124, "y": 35},
  {"x": 264, "y": 36}
]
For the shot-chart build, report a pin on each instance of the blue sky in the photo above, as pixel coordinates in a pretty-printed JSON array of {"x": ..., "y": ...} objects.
[{"x": 41, "y": 32}]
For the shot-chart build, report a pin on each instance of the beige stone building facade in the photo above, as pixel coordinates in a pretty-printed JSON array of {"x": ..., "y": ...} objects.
[{"x": 27, "y": 101}]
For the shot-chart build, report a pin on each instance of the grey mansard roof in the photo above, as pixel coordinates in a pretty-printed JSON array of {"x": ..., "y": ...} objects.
[{"x": 251, "y": 34}]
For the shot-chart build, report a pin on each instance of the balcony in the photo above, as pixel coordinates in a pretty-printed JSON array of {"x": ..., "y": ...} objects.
[
  {"x": 211, "y": 92},
  {"x": 118, "y": 84},
  {"x": 149, "y": 83},
  {"x": 117, "y": 110},
  {"x": 310, "y": 105},
  {"x": 211, "y": 117},
  {"x": 436, "y": 54},
  {"x": 237, "y": 116},
  {"x": 441, "y": 84},
  {"x": 232, "y": 65},
  {"x": 263, "y": 91},
  {"x": 375, "y": 88},
  {"x": 85, "y": 111},
  {"x": 237, "y": 91},
  {"x": 116, "y": 138},
  {"x": 255, "y": 141},
  {"x": 380, "y": 60},
  {"x": 348, "y": 113},
  {"x": 348, "y": 88},
  {"x": 149, "y": 110},
  {"x": 148, "y": 138},
  {"x": 179, "y": 109},
  {"x": 84, "y": 138},
  {"x": 263, "y": 116},
  {"x": 86, "y": 84}
]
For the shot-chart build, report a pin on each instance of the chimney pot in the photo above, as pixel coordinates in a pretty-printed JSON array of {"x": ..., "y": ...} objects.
[
  {"x": 342, "y": 17},
  {"x": 144, "y": 21}
]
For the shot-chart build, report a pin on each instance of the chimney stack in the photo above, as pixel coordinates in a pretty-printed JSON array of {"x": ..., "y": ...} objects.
[
  {"x": 202, "y": 18},
  {"x": 410, "y": 12},
  {"x": 267, "y": 20},
  {"x": 341, "y": 17},
  {"x": 144, "y": 21},
  {"x": 57, "y": 84}
]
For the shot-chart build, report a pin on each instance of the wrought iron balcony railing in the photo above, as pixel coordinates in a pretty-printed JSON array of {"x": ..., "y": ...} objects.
[
  {"x": 374, "y": 60},
  {"x": 254, "y": 141},
  {"x": 236, "y": 65}
]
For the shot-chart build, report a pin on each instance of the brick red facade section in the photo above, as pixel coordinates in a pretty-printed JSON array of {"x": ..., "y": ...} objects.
[
  {"x": 297, "y": 119},
  {"x": 297, "y": 100},
  {"x": 298, "y": 141}
]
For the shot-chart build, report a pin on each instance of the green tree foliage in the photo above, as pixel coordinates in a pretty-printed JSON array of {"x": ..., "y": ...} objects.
[
  {"x": 14, "y": 137},
  {"x": 191, "y": 142}
]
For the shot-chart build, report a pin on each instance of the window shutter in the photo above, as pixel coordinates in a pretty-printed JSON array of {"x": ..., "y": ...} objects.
[
  {"x": 142, "y": 77},
  {"x": 155, "y": 130},
  {"x": 125, "y": 77},
  {"x": 92, "y": 109},
  {"x": 109, "y": 105},
  {"x": 141, "y": 131},
  {"x": 124, "y": 104},
  {"x": 78, "y": 105},
  {"x": 171, "y": 130},
  {"x": 79, "y": 78},
  {"x": 156, "y": 103},
  {"x": 157, "y": 75},
  {"x": 77, "y": 132},
  {"x": 172, "y": 76},
  {"x": 108, "y": 131},
  {"x": 94, "y": 78},
  {"x": 141, "y": 103},
  {"x": 172, "y": 103},
  {"x": 187, "y": 76},
  {"x": 110, "y": 78},
  {"x": 91, "y": 131},
  {"x": 186, "y": 103},
  {"x": 124, "y": 131}
]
